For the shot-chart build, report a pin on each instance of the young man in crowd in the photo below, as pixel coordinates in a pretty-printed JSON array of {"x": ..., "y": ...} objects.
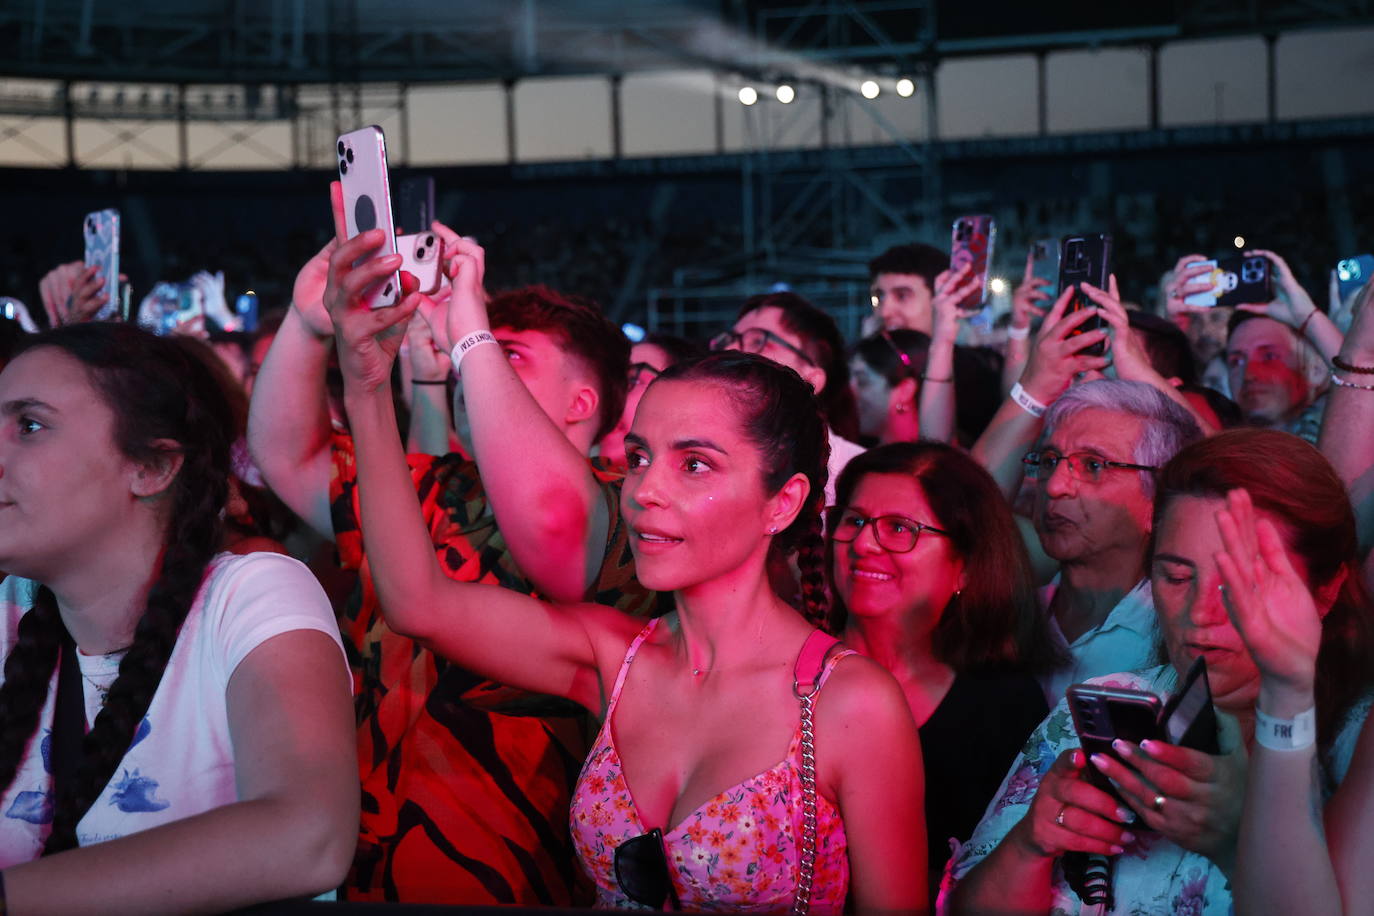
[
  {"x": 465, "y": 783},
  {"x": 901, "y": 283}
]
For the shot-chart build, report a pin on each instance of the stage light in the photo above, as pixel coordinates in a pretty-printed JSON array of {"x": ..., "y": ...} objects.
[
  {"x": 748, "y": 95},
  {"x": 997, "y": 285},
  {"x": 786, "y": 94},
  {"x": 1240, "y": 241},
  {"x": 906, "y": 88},
  {"x": 869, "y": 89},
  {"x": 632, "y": 331}
]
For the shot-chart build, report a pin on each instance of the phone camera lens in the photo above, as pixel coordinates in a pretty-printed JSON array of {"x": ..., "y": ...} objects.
[
  {"x": 341, "y": 148},
  {"x": 348, "y": 154},
  {"x": 343, "y": 167},
  {"x": 429, "y": 240},
  {"x": 420, "y": 253}
]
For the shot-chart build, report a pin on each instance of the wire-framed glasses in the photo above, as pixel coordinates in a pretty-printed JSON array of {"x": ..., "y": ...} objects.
[
  {"x": 1084, "y": 466},
  {"x": 894, "y": 533}
]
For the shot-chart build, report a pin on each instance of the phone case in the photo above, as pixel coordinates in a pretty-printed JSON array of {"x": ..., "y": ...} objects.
[
  {"x": 101, "y": 230},
  {"x": 1235, "y": 280},
  {"x": 1085, "y": 259},
  {"x": 367, "y": 202},
  {"x": 1353, "y": 273},
  {"x": 971, "y": 244},
  {"x": 1045, "y": 260},
  {"x": 415, "y": 203},
  {"x": 422, "y": 255},
  {"x": 1103, "y": 714}
]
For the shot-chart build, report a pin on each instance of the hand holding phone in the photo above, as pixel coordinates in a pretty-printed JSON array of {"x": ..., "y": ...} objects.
[
  {"x": 367, "y": 203},
  {"x": 1085, "y": 259},
  {"x": 423, "y": 258},
  {"x": 971, "y": 245},
  {"x": 101, "y": 232},
  {"x": 1234, "y": 281}
]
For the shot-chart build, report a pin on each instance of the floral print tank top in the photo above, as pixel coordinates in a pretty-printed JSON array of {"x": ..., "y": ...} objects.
[{"x": 737, "y": 852}]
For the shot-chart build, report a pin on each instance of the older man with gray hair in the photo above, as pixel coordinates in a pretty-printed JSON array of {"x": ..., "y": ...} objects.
[{"x": 1094, "y": 496}]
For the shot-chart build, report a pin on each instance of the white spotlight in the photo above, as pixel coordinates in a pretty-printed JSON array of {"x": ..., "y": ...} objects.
[
  {"x": 997, "y": 285},
  {"x": 786, "y": 94},
  {"x": 748, "y": 95},
  {"x": 1240, "y": 241},
  {"x": 906, "y": 88},
  {"x": 869, "y": 89}
]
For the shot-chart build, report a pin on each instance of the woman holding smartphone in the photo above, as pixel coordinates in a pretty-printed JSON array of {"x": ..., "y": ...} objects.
[
  {"x": 1175, "y": 845},
  {"x": 726, "y": 463},
  {"x": 175, "y": 724}
]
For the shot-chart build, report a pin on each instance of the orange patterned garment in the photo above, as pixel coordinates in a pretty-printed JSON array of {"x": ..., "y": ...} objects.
[
  {"x": 465, "y": 782},
  {"x": 735, "y": 853}
]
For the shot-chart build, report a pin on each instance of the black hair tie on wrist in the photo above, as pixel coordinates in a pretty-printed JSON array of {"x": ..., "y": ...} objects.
[
  {"x": 1347, "y": 367},
  {"x": 429, "y": 381}
]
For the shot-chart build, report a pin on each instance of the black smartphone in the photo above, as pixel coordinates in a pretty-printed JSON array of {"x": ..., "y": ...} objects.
[
  {"x": 415, "y": 203},
  {"x": 1235, "y": 280},
  {"x": 1085, "y": 259},
  {"x": 1101, "y": 715}
]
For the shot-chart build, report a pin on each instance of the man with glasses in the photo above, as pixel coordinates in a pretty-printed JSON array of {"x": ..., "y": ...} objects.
[{"x": 1094, "y": 493}]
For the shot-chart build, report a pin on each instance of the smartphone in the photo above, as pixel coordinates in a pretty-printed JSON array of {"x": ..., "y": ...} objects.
[
  {"x": 367, "y": 202},
  {"x": 971, "y": 245},
  {"x": 423, "y": 254},
  {"x": 415, "y": 203},
  {"x": 1353, "y": 273},
  {"x": 246, "y": 308},
  {"x": 1045, "y": 260},
  {"x": 1235, "y": 280},
  {"x": 1103, "y": 714},
  {"x": 1085, "y": 259},
  {"x": 168, "y": 306},
  {"x": 101, "y": 230}
]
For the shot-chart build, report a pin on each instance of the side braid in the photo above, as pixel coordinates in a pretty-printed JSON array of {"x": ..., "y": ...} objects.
[
  {"x": 28, "y": 678},
  {"x": 811, "y": 565},
  {"x": 192, "y": 542}
]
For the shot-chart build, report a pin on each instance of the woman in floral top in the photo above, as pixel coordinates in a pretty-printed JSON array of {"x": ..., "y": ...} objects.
[{"x": 1174, "y": 849}]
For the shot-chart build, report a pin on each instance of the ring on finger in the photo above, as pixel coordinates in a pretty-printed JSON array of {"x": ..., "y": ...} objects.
[
  {"x": 1158, "y": 802},
  {"x": 1059, "y": 818}
]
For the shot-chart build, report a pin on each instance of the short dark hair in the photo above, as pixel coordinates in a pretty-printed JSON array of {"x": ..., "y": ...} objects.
[
  {"x": 677, "y": 348},
  {"x": 1165, "y": 344},
  {"x": 996, "y": 621},
  {"x": 582, "y": 330},
  {"x": 823, "y": 343},
  {"x": 924, "y": 261},
  {"x": 880, "y": 353}
]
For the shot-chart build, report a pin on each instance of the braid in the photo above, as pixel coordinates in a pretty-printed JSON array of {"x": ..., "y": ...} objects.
[
  {"x": 28, "y": 678},
  {"x": 811, "y": 564}
]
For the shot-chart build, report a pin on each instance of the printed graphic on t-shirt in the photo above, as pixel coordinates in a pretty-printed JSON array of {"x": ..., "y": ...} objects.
[{"x": 132, "y": 791}]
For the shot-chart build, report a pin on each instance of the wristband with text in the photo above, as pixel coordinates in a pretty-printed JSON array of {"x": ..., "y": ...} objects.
[
  {"x": 1026, "y": 402},
  {"x": 461, "y": 348},
  {"x": 1286, "y": 734}
]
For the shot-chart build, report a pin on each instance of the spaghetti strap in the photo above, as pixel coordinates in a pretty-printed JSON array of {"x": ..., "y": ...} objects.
[
  {"x": 831, "y": 662},
  {"x": 625, "y": 667}
]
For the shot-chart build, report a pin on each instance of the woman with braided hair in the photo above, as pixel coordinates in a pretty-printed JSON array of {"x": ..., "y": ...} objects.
[
  {"x": 175, "y": 728},
  {"x": 726, "y": 464}
]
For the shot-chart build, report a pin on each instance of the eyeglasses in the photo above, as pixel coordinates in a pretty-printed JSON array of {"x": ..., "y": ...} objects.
[
  {"x": 641, "y": 870},
  {"x": 893, "y": 533},
  {"x": 1084, "y": 466},
  {"x": 642, "y": 372},
  {"x": 754, "y": 340}
]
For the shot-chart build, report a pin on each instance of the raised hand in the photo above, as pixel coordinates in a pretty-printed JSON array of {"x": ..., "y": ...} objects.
[
  {"x": 1028, "y": 298},
  {"x": 1295, "y": 307},
  {"x": 952, "y": 287},
  {"x": 1131, "y": 361},
  {"x": 1058, "y": 352},
  {"x": 72, "y": 293},
  {"x": 1268, "y": 601},
  {"x": 1181, "y": 285},
  {"x": 307, "y": 295}
]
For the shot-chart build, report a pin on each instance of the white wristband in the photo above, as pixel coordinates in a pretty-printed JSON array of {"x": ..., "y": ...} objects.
[
  {"x": 1027, "y": 403},
  {"x": 461, "y": 348},
  {"x": 1015, "y": 333},
  {"x": 1293, "y": 734}
]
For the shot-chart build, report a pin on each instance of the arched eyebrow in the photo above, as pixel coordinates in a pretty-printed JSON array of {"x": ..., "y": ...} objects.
[
  {"x": 19, "y": 405},
  {"x": 679, "y": 445}
]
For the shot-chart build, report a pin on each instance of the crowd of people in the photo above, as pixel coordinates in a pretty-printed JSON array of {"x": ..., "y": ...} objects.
[{"x": 373, "y": 603}]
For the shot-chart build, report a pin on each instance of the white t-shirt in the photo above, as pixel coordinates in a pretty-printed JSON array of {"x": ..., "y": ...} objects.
[
  {"x": 842, "y": 451},
  {"x": 182, "y": 761}
]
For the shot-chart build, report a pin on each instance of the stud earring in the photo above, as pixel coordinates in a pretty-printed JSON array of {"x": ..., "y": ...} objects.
[{"x": 772, "y": 529}]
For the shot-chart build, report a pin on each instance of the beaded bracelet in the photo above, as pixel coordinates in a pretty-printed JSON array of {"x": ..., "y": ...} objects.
[
  {"x": 1342, "y": 383},
  {"x": 1347, "y": 367}
]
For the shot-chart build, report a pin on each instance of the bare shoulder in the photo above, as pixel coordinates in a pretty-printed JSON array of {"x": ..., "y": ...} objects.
[{"x": 859, "y": 690}]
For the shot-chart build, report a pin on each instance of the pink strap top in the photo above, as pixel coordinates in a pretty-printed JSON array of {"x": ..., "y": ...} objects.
[{"x": 737, "y": 852}]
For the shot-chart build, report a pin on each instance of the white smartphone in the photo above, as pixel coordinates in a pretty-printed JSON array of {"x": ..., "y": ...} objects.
[
  {"x": 101, "y": 231},
  {"x": 367, "y": 202},
  {"x": 422, "y": 255}
]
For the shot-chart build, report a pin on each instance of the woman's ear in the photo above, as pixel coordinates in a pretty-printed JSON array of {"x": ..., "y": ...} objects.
[
  {"x": 788, "y": 502},
  {"x": 153, "y": 477},
  {"x": 1325, "y": 595}
]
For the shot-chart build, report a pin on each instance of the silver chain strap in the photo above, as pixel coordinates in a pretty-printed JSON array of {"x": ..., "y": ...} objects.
[{"x": 806, "y": 864}]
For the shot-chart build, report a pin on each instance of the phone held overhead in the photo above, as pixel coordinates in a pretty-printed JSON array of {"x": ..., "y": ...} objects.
[{"x": 367, "y": 202}]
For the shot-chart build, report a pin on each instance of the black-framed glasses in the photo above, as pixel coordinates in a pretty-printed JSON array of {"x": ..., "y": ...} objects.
[
  {"x": 754, "y": 340},
  {"x": 642, "y": 373},
  {"x": 1084, "y": 466},
  {"x": 894, "y": 533},
  {"x": 641, "y": 870}
]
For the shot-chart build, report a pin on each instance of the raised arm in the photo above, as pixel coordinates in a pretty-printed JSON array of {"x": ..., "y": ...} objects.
[
  {"x": 288, "y": 419},
  {"x": 547, "y": 502},
  {"x": 1028, "y": 302},
  {"x": 1298, "y": 310},
  {"x": 1347, "y": 435},
  {"x": 425, "y": 370},
  {"x": 292, "y": 833},
  {"x": 938, "y": 406},
  {"x": 501, "y": 634}
]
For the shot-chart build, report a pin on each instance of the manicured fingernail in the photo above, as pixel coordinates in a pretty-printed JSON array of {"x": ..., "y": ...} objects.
[
  {"x": 1118, "y": 850},
  {"x": 1099, "y": 761},
  {"x": 1128, "y": 837},
  {"x": 1120, "y": 746},
  {"x": 1125, "y": 814},
  {"x": 1149, "y": 746}
]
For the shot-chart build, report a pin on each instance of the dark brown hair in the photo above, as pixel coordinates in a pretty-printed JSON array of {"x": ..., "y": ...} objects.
[
  {"x": 996, "y": 621},
  {"x": 1289, "y": 479},
  {"x": 156, "y": 391}
]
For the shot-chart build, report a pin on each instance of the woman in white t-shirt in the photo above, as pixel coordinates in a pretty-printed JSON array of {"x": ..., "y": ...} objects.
[{"x": 216, "y": 768}]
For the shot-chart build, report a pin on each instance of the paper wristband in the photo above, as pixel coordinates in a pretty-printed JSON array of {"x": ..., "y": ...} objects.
[
  {"x": 461, "y": 348},
  {"x": 1293, "y": 734},
  {"x": 1015, "y": 333},
  {"x": 1027, "y": 403}
]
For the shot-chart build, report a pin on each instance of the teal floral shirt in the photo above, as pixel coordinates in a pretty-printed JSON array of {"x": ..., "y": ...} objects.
[{"x": 1154, "y": 876}]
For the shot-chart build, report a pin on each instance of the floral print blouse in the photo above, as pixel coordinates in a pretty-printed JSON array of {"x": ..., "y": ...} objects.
[
  {"x": 1154, "y": 876},
  {"x": 737, "y": 852}
]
